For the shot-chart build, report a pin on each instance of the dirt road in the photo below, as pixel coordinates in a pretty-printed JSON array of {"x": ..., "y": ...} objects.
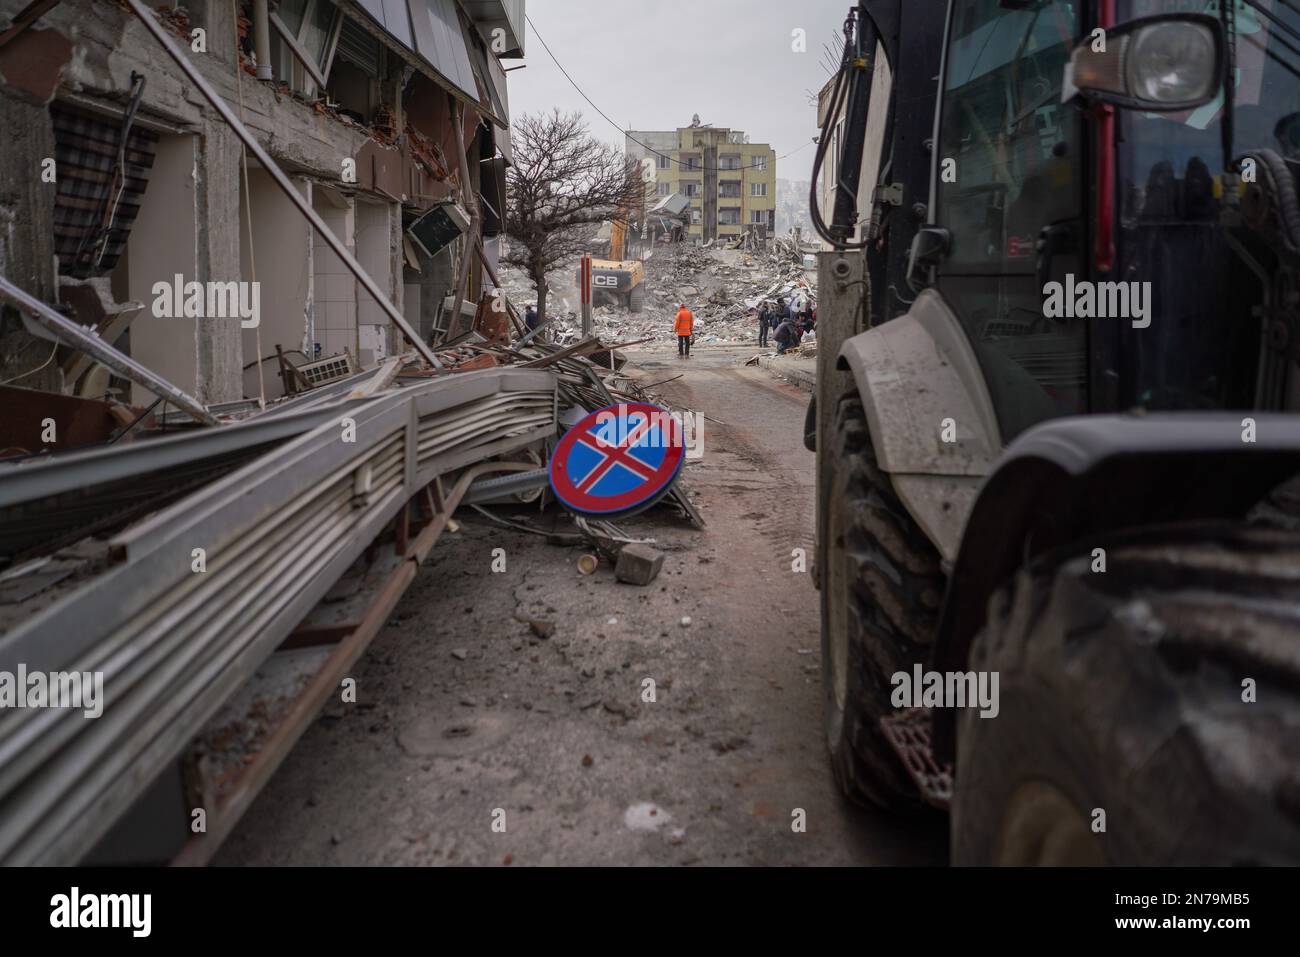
[{"x": 504, "y": 716}]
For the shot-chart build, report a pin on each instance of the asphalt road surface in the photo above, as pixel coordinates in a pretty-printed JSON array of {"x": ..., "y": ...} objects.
[{"x": 503, "y": 717}]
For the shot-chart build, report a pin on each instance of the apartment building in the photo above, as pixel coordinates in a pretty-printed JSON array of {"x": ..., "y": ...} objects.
[{"x": 729, "y": 181}]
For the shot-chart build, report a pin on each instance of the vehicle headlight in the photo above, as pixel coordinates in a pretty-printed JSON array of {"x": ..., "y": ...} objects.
[
  {"x": 1168, "y": 62},
  {"x": 1172, "y": 63}
]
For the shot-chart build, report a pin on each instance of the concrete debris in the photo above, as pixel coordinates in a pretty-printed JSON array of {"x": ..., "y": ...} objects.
[
  {"x": 723, "y": 287},
  {"x": 645, "y": 817},
  {"x": 638, "y": 564}
]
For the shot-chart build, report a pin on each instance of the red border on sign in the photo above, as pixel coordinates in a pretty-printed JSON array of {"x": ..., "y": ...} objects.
[{"x": 573, "y": 497}]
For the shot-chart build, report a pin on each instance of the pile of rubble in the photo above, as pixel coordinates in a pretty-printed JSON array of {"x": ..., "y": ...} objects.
[{"x": 723, "y": 287}]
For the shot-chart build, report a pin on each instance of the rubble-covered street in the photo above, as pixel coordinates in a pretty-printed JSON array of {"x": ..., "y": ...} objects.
[
  {"x": 522, "y": 690},
  {"x": 854, "y": 444}
]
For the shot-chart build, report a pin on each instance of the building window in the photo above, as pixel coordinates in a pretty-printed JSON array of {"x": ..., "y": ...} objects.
[
  {"x": 695, "y": 216},
  {"x": 313, "y": 24},
  {"x": 729, "y": 190},
  {"x": 758, "y": 216},
  {"x": 729, "y": 161},
  {"x": 757, "y": 189},
  {"x": 760, "y": 162},
  {"x": 691, "y": 189},
  {"x": 663, "y": 161},
  {"x": 729, "y": 216},
  {"x": 665, "y": 188},
  {"x": 692, "y": 162}
]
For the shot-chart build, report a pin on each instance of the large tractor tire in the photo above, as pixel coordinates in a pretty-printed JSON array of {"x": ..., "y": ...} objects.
[
  {"x": 881, "y": 588},
  {"x": 1159, "y": 700}
]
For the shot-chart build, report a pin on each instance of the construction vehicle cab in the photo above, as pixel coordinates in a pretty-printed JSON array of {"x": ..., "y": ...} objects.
[
  {"x": 619, "y": 280},
  {"x": 1101, "y": 219},
  {"x": 619, "y": 283}
]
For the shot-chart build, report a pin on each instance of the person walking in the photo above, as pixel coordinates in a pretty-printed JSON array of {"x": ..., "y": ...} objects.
[
  {"x": 684, "y": 326},
  {"x": 764, "y": 323}
]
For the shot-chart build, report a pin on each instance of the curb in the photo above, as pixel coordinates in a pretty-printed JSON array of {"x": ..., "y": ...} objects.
[{"x": 805, "y": 379}]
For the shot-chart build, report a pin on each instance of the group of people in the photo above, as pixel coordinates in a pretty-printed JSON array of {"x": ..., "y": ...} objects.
[{"x": 789, "y": 320}]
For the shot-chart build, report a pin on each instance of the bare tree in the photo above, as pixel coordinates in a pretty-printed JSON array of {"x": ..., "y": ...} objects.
[{"x": 563, "y": 182}]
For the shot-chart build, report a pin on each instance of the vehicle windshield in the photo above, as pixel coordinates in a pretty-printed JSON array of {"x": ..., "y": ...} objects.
[
  {"x": 1267, "y": 107},
  {"x": 1168, "y": 163}
]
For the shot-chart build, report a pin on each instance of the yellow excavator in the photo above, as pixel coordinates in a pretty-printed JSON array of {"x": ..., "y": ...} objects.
[{"x": 618, "y": 280}]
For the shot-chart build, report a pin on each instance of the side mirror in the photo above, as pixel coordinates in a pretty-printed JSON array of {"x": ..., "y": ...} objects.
[
  {"x": 1166, "y": 63},
  {"x": 929, "y": 246}
]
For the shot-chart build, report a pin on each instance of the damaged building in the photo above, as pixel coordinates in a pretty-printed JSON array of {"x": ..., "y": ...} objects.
[
  {"x": 131, "y": 204},
  {"x": 730, "y": 183}
]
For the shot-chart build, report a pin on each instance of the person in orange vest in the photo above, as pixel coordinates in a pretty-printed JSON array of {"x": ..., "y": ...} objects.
[{"x": 685, "y": 327}]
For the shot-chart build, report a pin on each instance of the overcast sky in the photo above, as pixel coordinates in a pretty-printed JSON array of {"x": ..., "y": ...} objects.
[{"x": 651, "y": 64}]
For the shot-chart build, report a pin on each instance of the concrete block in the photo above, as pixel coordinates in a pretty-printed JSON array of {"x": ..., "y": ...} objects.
[{"x": 638, "y": 564}]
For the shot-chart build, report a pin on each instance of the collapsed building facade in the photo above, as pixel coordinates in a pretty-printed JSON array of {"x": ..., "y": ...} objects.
[
  {"x": 123, "y": 187},
  {"x": 729, "y": 182}
]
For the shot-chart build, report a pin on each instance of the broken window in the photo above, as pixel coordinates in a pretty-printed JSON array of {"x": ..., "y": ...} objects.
[
  {"x": 303, "y": 41},
  {"x": 354, "y": 76}
]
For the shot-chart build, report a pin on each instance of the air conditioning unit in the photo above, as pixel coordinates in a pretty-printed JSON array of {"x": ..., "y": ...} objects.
[{"x": 439, "y": 227}]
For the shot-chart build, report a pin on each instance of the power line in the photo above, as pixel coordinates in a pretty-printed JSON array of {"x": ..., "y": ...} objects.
[{"x": 692, "y": 169}]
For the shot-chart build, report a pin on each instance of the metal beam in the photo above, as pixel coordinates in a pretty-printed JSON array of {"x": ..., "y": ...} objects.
[
  {"x": 174, "y": 644},
  {"x": 250, "y": 141},
  {"x": 77, "y": 336},
  {"x": 25, "y": 18}
]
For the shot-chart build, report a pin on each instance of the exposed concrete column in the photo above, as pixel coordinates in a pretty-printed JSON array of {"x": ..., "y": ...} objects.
[
  {"x": 397, "y": 288},
  {"x": 217, "y": 18},
  {"x": 220, "y": 348},
  {"x": 27, "y": 205}
]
